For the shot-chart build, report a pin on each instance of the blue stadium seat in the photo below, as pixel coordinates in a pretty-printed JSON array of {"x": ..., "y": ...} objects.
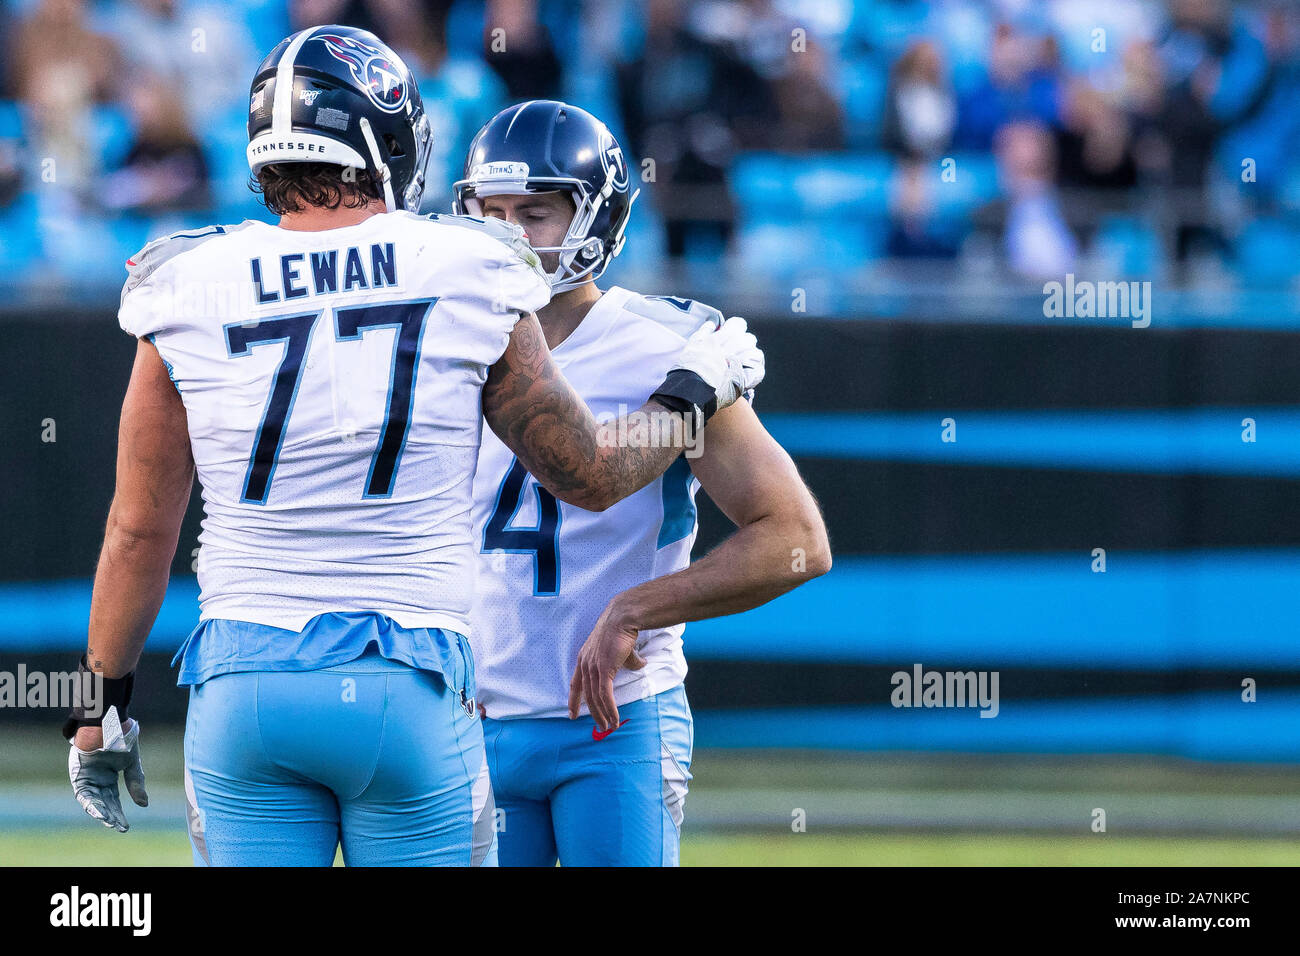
[
  {"x": 111, "y": 135},
  {"x": 861, "y": 83},
  {"x": 20, "y": 238},
  {"x": 890, "y": 25},
  {"x": 1129, "y": 245},
  {"x": 267, "y": 22},
  {"x": 94, "y": 249},
  {"x": 224, "y": 138},
  {"x": 465, "y": 28},
  {"x": 12, "y": 121},
  {"x": 855, "y": 184},
  {"x": 974, "y": 185},
  {"x": 775, "y": 187},
  {"x": 791, "y": 250},
  {"x": 1268, "y": 251},
  {"x": 1289, "y": 194}
]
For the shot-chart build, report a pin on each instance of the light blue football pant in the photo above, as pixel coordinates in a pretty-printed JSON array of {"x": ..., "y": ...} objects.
[
  {"x": 561, "y": 794},
  {"x": 283, "y": 767}
]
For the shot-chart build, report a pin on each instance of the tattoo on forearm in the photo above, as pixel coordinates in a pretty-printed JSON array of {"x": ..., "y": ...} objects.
[{"x": 554, "y": 433}]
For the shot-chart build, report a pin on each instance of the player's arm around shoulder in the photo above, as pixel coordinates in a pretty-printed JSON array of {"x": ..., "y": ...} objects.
[{"x": 537, "y": 414}]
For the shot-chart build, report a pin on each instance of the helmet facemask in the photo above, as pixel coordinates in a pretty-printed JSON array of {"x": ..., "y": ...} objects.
[{"x": 582, "y": 257}]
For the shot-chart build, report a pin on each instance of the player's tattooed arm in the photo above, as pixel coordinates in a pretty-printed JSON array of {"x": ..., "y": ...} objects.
[{"x": 535, "y": 411}]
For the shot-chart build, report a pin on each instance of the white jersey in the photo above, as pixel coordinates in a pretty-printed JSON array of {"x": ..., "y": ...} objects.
[
  {"x": 547, "y": 569},
  {"x": 332, "y": 382}
]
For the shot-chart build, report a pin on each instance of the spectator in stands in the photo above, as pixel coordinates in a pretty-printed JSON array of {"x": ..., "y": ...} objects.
[
  {"x": 1036, "y": 240},
  {"x": 362, "y": 14},
  {"x": 1022, "y": 84},
  {"x": 920, "y": 108},
  {"x": 1271, "y": 135},
  {"x": 205, "y": 50},
  {"x": 522, "y": 54},
  {"x": 460, "y": 92},
  {"x": 60, "y": 68},
  {"x": 165, "y": 170},
  {"x": 689, "y": 103},
  {"x": 914, "y": 230},
  {"x": 7, "y": 79},
  {"x": 1094, "y": 143},
  {"x": 809, "y": 114},
  {"x": 11, "y": 170}
]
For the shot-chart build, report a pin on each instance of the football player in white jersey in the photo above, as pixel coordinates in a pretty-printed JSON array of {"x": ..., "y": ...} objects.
[
  {"x": 579, "y": 611},
  {"x": 327, "y": 379}
]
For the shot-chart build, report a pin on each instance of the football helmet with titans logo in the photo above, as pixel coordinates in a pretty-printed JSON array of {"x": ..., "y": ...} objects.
[
  {"x": 545, "y": 146},
  {"x": 338, "y": 95}
]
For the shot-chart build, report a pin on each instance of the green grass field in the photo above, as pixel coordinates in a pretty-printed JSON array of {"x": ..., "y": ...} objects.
[
  {"x": 745, "y": 807},
  {"x": 92, "y": 846}
]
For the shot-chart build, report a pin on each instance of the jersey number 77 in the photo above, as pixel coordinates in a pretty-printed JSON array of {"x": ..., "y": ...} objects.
[{"x": 295, "y": 331}]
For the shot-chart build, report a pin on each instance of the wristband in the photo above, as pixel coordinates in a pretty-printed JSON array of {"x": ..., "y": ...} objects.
[
  {"x": 114, "y": 692},
  {"x": 685, "y": 392}
]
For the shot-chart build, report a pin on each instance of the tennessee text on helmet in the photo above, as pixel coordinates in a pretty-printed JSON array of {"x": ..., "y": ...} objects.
[{"x": 338, "y": 95}]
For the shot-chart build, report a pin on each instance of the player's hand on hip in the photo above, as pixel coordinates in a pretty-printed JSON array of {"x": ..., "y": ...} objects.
[
  {"x": 611, "y": 645},
  {"x": 95, "y": 759}
]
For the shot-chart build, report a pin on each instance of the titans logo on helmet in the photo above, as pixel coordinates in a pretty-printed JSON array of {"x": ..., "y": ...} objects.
[
  {"x": 611, "y": 159},
  {"x": 380, "y": 76}
]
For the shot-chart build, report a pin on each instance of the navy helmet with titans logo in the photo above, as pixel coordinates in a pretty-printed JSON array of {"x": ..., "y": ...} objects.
[
  {"x": 335, "y": 94},
  {"x": 545, "y": 146}
]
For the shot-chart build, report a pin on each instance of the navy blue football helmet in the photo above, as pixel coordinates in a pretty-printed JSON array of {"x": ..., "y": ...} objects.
[
  {"x": 545, "y": 146},
  {"x": 336, "y": 94}
]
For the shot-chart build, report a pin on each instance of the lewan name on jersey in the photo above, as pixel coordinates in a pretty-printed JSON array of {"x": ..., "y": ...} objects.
[
  {"x": 335, "y": 417},
  {"x": 301, "y": 274}
]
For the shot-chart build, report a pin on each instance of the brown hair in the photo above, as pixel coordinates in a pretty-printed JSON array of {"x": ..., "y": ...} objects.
[{"x": 292, "y": 187}]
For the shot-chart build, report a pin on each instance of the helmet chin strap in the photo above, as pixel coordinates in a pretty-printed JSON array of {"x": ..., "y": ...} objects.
[{"x": 384, "y": 175}]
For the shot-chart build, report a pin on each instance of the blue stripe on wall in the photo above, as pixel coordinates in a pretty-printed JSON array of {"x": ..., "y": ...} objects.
[
  {"x": 52, "y": 616},
  {"x": 1176, "y": 441},
  {"x": 1201, "y": 726},
  {"x": 1163, "y": 611}
]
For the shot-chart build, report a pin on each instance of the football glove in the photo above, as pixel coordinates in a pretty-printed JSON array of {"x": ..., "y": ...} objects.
[
  {"x": 94, "y": 773},
  {"x": 716, "y": 367}
]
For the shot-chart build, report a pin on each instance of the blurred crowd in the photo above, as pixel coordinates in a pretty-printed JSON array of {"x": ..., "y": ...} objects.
[{"x": 1032, "y": 136}]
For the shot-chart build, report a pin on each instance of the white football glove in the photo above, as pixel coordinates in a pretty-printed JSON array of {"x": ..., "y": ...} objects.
[
  {"x": 94, "y": 773},
  {"x": 717, "y": 366}
]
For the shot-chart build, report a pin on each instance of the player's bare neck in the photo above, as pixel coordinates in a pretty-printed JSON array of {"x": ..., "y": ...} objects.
[
  {"x": 565, "y": 312},
  {"x": 319, "y": 219}
]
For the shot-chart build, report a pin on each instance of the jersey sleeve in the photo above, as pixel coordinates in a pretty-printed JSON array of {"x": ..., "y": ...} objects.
[
  {"x": 682, "y": 316},
  {"x": 140, "y": 312},
  {"x": 511, "y": 276},
  {"x": 147, "y": 301}
]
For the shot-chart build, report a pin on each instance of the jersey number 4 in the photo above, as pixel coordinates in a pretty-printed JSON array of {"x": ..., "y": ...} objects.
[
  {"x": 295, "y": 331},
  {"x": 541, "y": 542}
]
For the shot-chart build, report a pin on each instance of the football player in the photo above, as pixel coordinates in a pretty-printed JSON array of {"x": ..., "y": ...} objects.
[
  {"x": 581, "y": 610},
  {"x": 333, "y": 414}
]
